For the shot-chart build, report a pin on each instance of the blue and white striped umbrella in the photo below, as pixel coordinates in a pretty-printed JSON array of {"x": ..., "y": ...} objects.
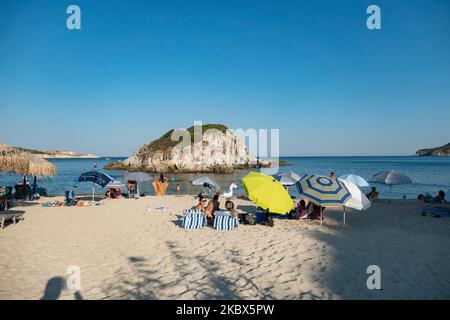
[
  {"x": 99, "y": 178},
  {"x": 323, "y": 191}
]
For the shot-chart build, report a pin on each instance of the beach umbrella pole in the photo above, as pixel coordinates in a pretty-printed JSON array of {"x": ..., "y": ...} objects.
[
  {"x": 93, "y": 193},
  {"x": 390, "y": 193},
  {"x": 344, "y": 215},
  {"x": 321, "y": 215}
]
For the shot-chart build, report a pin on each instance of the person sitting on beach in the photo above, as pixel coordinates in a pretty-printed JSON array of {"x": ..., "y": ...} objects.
[
  {"x": 229, "y": 205},
  {"x": 178, "y": 188},
  {"x": 201, "y": 204},
  {"x": 427, "y": 198},
  {"x": 421, "y": 198},
  {"x": 301, "y": 210},
  {"x": 332, "y": 175},
  {"x": 212, "y": 207},
  {"x": 440, "y": 198},
  {"x": 313, "y": 210},
  {"x": 373, "y": 194}
]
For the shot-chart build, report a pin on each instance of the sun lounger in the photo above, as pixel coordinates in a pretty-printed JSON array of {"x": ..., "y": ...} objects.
[
  {"x": 223, "y": 220},
  {"x": 14, "y": 216},
  {"x": 436, "y": 212},
  {"x": 193, "y": 219},
  {"x": 70, "y": 198}
]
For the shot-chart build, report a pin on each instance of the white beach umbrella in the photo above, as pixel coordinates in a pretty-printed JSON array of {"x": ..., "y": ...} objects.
[
  {"x": 355, "y": 179},
  {"x": 202, "y": 180},
  {"x": 358, "y": 200},
  {"x": 391, "y": 177},
  {"x": 288, "y": 178}
]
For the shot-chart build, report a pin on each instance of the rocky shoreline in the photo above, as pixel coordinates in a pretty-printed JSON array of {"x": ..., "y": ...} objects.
[{"x": 443, "y": 151}]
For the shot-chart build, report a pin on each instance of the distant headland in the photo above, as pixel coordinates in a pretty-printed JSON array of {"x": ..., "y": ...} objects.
[
  {"x": 443, "y": 151},
  {"x": 59, "y": 154}
]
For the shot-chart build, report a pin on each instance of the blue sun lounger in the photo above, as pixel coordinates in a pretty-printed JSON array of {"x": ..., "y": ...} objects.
[
  {"x": 193, "y": 219},
  {"x": 223, "y": 220}
]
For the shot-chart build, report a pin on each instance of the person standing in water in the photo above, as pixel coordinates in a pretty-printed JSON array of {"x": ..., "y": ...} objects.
[{"x": 160, "y": 185}]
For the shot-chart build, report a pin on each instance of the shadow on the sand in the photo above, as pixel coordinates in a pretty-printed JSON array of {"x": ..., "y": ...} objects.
[
  {"x": 145, "y": 282},
  {"x": 97, "y": 198},
  {"x": 54, "y": 287},
  {"x": 403, "y": 248},
  {"x": 24, "y": 203}
]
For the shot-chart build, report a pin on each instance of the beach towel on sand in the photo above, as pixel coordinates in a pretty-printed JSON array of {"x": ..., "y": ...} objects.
[{"x": 436, "y": 212}]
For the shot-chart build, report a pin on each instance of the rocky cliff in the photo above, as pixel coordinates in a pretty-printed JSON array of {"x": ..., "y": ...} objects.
[
  {"x": 439, "y": 151},
  {"x": 209, "y": 148}
]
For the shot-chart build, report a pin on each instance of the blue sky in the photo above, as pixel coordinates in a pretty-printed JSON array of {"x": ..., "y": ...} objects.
[{"x": 310, "y": 68}]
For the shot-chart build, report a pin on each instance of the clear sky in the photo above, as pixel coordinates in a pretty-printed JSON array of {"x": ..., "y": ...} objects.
[{"x": 310, "y": 68}]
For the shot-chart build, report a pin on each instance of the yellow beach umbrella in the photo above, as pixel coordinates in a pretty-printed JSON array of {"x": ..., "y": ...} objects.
[{"x": 267, "y": 193}]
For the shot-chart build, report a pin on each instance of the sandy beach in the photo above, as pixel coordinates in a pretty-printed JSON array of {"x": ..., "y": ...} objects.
[{"x": 126, "y": 252}]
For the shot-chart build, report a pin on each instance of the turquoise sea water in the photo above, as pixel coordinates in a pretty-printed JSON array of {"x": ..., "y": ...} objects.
[{"x": 429, "y": 174}]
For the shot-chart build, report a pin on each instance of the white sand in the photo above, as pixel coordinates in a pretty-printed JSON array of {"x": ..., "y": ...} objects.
[{"x": 126, "y": 252}]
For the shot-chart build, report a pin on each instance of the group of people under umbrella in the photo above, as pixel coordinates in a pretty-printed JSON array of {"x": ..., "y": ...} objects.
[
  {"x": 271, "y": 192},
  {"x": 114, "y": 187}
]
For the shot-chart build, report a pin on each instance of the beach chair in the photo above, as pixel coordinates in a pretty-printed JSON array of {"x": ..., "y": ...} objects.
[
  {"x": 193, "y": 219},
  {"x": 14, "y": 216},
  {"x": 133, "y": 191},
  {"x": 223, "y": 220},
  {"x": 70, "y": 198}
]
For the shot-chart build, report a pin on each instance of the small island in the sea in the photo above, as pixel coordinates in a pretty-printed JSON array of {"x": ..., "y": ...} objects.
[
  {"x": 163, "y": 155},
  {"x": 443, "y": 151},
  {"x": 59, "y": 154}
]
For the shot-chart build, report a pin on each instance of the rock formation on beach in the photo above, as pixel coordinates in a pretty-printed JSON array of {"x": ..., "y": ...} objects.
[
  {"x": 439, "y": 151},
  {"x": 214, "y": 149}
]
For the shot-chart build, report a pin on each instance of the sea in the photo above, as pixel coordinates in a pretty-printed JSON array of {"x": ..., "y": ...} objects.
[{"x": 428, "y": 174}]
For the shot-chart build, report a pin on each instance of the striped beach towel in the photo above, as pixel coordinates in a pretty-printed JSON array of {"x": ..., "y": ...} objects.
[
  {"x": 224, "y": 221},
  {"x": 193, "y": 219}
]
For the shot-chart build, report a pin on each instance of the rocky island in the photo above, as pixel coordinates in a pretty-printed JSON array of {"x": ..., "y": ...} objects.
[
  {"x": 217, "y": 150},
  {"x": 443, "y": 151},
  {"x": 59, "y": 154}
]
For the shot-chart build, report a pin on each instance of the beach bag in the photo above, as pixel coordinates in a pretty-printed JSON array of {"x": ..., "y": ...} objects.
[
  {"x": 193, "y": 219},
  {"x": 250, "y": 219},
  {"x": 223, "y": 220},
  {"x": 260, "y": 216}
]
